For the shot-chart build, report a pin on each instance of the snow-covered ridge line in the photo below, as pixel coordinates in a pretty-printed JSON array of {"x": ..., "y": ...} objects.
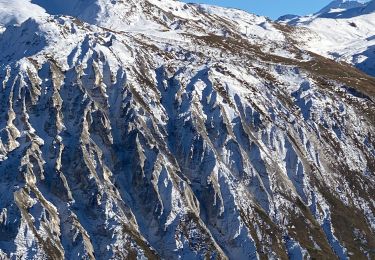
[
  {"x": 344, "y": 35},
  {"x": 349, "y": 38}
]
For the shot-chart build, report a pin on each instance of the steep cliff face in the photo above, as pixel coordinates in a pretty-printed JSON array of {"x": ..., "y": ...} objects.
[{"x": 184, "y": 138}]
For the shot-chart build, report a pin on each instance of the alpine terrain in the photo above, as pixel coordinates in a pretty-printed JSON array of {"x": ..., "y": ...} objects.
[
  {"x": 156, "y": 129},
  {"x": 343, "y": 31}
]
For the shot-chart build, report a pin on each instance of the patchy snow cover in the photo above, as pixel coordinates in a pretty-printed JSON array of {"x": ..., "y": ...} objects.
[{"x": 158, "y": 129}]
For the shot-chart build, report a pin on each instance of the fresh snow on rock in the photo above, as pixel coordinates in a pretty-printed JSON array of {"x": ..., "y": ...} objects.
[{"x": 163, "y": 130}]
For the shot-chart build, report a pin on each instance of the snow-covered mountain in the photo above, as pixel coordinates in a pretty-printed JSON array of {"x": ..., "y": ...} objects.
[
  {"x": 17, "y": 11},
  {"x": 338, "y": 6},
  {"x": 163, "y": 130},
  {"x": 344, "y": 31}
]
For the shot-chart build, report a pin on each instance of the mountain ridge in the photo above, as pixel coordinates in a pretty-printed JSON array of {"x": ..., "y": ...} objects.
[
  {"x": 343, "y": 35},
  {"x": 211, "y": 135},
  {"x": 340, "y": 5}
]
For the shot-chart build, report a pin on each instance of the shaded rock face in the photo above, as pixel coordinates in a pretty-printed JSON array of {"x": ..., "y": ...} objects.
[{"x": 191, "y": 142}]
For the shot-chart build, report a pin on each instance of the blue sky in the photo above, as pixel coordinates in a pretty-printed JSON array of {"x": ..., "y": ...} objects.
[{"x": 271, "y": 8}]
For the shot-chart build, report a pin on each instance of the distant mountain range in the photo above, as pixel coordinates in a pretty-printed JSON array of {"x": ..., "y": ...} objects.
[{"x": 343, "y": 31}]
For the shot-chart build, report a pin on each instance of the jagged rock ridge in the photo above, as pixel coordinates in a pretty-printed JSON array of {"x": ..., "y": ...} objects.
[{"x": 187, "y": 140}]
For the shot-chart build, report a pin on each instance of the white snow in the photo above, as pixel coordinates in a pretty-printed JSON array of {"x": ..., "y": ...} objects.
[
  {"x": 202, "y": 114},
  {"x": 343, "y": 34},
  {"x": 17, "y": 11},
  {"x": 340, "y": 37}
]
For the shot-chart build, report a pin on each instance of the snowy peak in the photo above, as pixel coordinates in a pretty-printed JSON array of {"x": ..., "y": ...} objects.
[
  {"x": 343, "y": 31},
  {"x": 168, "y": 18},
  {"x": 17, "y": 11},
  {"x": 114, "y": 14},
  {"x": 340, "y": 5},
  {"x": 338, "y": 9},
  {"x": 346, "y": 9}
]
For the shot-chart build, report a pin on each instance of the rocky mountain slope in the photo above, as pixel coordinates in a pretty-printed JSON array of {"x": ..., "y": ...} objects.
[
  {"x": 160, "y": 130},
  {"x": 343, "y": 31}
]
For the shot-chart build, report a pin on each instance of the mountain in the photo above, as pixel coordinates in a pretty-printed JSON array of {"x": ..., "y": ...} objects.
[
  {"x": 349, "y": 10},
  {"x": 342, "y": 31},
  {"x": 335, "y": 9},
  {"x": 17, "y": 11},
  {"x": 163, "y": 130},
  {"x": 339, "y": 6}
]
